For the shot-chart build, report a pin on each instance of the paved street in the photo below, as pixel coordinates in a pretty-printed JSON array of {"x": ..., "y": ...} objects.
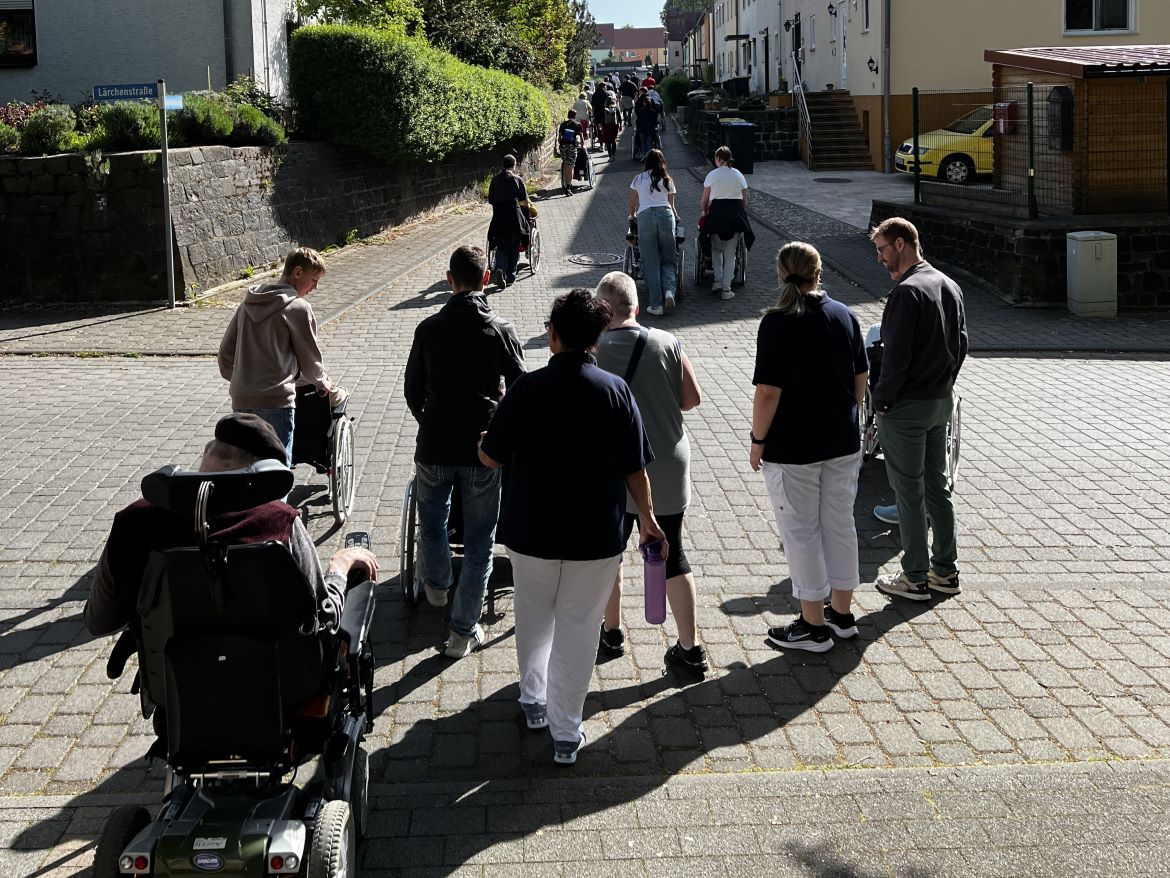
[{"x": 1022, "y": 728}]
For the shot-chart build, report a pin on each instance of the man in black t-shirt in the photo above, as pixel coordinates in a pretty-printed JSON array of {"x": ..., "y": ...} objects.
[
  {"x": 569, "y": 140},
  {"x": 629, "y": 90}
]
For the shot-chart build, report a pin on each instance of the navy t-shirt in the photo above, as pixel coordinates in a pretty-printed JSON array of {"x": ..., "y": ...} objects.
[
  {"x": 569, "y": 434},
  {"x": 814, "y": 360}
]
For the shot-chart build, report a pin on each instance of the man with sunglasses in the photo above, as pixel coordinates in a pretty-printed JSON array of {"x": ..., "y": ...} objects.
[{"x": 924, "y": 339}]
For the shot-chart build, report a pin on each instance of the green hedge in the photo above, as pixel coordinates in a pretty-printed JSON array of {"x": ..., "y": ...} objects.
[
  {"x": 9, "y": 139},
  {"x": 50, "y": 130},
  {"x": 674, "y": 90},
  {"x": 400, "y": 98},
  {"x": 126, "y": 126}
]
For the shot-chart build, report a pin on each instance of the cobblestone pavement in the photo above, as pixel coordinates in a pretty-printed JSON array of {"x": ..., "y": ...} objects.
[{"x": 1021, "y": 728}]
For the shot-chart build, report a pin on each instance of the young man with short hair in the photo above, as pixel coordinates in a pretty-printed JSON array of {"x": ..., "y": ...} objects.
[{"x": 461, "y": 360}]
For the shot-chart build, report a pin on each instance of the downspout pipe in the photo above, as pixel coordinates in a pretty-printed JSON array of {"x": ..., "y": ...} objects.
[
  {"x": 229, "y": 65},
  {"x": 887, "y": 155}
]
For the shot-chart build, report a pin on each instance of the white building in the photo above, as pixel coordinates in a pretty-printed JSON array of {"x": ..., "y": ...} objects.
[
  {"x": 747, "y": 43},
  {"x": 65, "y": 47}
]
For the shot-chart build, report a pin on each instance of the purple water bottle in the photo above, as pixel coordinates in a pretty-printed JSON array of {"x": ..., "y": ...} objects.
[{"x": 655, "y": 582}]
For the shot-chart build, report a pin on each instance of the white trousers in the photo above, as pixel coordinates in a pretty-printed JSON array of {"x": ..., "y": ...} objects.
[
  {"x": 723, "y": 261},
  {"x": 814, "y": 511},
  {"x": 558, "y": 606}
]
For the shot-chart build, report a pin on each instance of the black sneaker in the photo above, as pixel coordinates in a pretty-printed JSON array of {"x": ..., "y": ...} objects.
[
  {"x": 693, "y": 659},
  {"x": 841, "y": 624},
  {"x": 798, "y": 634},
  {"x": 611, "y": 643}
]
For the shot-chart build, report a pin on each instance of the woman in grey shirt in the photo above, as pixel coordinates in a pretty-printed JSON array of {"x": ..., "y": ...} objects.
[{"x": 664, "y": 386}]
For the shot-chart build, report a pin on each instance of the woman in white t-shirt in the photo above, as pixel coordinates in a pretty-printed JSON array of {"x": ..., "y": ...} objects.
[
  {"x": 652, "y": 202},
  {"x": 584, "y": 113},
  {"x": 724, "y": 207}
]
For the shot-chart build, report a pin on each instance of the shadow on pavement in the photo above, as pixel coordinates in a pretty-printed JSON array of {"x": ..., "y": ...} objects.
[{"x": 21, "y": 645}]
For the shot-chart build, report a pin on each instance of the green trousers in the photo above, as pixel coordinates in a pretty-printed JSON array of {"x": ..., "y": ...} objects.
[{"x": 914, "y": 438}]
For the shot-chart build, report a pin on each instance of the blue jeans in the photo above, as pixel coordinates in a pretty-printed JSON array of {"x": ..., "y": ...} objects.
[
  {"x": 480, "y": 488},
  {"x": 656, "y": 244},
  {"x": 281, "y": 420}
]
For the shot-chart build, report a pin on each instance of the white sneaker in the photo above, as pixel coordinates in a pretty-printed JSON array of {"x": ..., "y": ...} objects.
[
  {"x": 436, "y": 597},
  {"x": 669, "y": 302},
  {"x": 726, "y": 294},
  {"x": 899, "y": 585},
  {"x": 655, "y": 310},
  {"x": 458, "y": 646}
]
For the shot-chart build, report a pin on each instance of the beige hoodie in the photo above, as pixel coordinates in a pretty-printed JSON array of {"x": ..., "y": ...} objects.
[{"x": 270, "y": 343}]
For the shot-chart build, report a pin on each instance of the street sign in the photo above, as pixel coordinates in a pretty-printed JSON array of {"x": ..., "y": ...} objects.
[
  {"x": 173, "y": 102},
  {"x": 130, "y": 91}
]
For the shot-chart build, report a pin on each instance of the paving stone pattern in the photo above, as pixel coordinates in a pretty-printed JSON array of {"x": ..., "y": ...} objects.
[{"x": 1021, "y": 728}]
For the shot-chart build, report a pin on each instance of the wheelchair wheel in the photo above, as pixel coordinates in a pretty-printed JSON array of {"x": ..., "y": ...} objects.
[
  {"x": 628, "y": 265},
  {"x": 123, "y": 825},
  {"x": 589, "y": 172},
  {"x": 698, "y": 263},
  {"x": 342, "y": 483},
  {"x": 332, "y": 850},
  {"x": 534, "y": 250},
  {"x": 680, "y": 264},
  {"x": 359, "y": 792},
  {"x": 740, "y": 276},
  {"x": 954, "y": 441},
  {"x": 407, "y": 540},
  {"x": 869, "y": 438}
]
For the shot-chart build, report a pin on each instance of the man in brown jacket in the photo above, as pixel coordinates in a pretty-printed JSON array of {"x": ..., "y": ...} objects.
[{"x": 271, "y": 343}]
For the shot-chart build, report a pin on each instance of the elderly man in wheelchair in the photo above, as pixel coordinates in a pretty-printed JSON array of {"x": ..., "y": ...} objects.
[{"x": 251, "y": 662}]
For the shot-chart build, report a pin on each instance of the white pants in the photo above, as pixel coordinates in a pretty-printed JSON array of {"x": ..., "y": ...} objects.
[
  {"x": 558, "y": 606},
  {"x": 814, "y": 511},
  {"x": 723, "y": 261}
]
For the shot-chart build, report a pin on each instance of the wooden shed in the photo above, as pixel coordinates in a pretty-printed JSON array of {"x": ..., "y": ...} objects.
[{"x": 1101, "y": 119}]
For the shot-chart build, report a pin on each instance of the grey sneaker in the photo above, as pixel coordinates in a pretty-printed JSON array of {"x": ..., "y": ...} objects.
[
  {"x": 436, "y": 597},
  {"x": 944, "y": 584},
  {"x": 565, "y": 752},
  {"x": 899, "y": 585},
  {"x": 726, "y": 295},
  {"x": 458, "y": 646},
  {"x": 535, "y": 715}
]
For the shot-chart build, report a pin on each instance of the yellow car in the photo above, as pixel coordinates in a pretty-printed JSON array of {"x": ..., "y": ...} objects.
[{"x": 956, "y": 153}]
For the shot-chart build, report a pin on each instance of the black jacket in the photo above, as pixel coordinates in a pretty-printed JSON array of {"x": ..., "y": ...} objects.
[
  {"x": 453, "y": 377},
  {"x": 727, "y": 217},
  {"x": 924, "y": 336},
  {"x": 509, "y": 219}
]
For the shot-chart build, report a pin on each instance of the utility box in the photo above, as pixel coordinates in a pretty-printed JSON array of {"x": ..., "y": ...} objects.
[{"x": 1092, "y": 273}]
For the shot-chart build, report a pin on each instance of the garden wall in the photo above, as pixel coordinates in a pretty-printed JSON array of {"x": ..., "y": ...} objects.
[{"x": 78, "y": 230}]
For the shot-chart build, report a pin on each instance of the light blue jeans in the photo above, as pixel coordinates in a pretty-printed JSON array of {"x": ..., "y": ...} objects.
[
  {"x": 282, "y": 421},
  {"x": 656, "y": 244},
  {"x": 480, "y": 488}
]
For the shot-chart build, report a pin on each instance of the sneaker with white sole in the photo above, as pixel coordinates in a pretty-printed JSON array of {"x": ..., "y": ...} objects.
[
  {"x": 844, "y": 625},
  {"x": 943, "y": 584},
  {"x": 535, "y": 715},
  {"x": 460, "y": 646},
  {"x": 887, "y": 514},
  {"x": 899, "y": 585},
  {"x": 655, "y": 310},
  {"x": 436, "y": 597},
  {"x": 611, "y": 642},
  {"x": 670, "y": 303},
  {"x": 565, "y": 752},
  {"x": 798, "y": 634},
  {"x": 726, "y": 295}
]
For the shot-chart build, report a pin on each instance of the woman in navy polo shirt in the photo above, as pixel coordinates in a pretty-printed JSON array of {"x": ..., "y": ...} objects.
[
  {"x": 810, "y": 376},
  {"x": 573, "y": 440}
]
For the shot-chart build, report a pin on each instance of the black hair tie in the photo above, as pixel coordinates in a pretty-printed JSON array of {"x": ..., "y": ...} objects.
[{"x": 794, "y": 279}]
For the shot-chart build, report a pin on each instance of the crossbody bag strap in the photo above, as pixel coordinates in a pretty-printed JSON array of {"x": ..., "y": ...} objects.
[{"x": 639, "y": 346}]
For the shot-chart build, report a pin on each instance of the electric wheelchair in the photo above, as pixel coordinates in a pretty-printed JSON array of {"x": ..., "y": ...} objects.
[{"x": 245, "y": 689}]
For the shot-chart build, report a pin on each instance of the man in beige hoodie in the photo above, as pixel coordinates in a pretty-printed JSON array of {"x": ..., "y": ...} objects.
[{"x": 271, "y": 344}]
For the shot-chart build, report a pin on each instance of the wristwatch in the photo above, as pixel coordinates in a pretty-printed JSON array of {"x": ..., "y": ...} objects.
[{"x": 755, "y": 441}]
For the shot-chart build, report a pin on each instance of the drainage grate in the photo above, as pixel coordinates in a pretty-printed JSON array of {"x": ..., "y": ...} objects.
[
  {"x": 596, "y": 258},
  {"x": 831, "y": 180}
]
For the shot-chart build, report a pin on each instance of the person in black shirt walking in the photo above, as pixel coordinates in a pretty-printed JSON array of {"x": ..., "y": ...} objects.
[
  {"x": 510, "y": 221},
  {"x": 810, "y": 377}
]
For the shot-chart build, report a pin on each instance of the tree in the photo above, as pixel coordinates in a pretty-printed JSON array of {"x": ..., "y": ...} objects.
[
  {"x": 670, "y": 7},
  {"x": 583, "y": 41},
  {"x": 404, "y": 14},
  {"x": 473, "y": 34}
]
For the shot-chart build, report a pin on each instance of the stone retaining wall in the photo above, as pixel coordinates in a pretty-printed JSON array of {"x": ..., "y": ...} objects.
[
  {"x": 1026, "y": 260},
  {"x": 82, "y": 230}
]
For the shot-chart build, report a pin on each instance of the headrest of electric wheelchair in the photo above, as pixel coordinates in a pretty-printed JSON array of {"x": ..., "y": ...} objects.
[{"x": 175, "y": 489}]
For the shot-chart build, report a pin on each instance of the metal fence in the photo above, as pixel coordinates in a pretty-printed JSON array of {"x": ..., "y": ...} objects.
[{"x": 1087, "y": 146}]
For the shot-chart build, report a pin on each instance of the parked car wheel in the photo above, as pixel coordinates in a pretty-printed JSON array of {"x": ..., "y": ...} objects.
[{"x": 956, "y": 169}]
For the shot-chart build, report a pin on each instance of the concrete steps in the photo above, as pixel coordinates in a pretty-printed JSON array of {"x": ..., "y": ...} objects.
[{"x": 837, "y": 142}]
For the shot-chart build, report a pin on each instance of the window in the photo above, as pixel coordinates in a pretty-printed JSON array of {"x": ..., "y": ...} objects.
[
  {"x": 865, "y": 16},
  {"x": 18, "y": 34},
  {"x": 1098, "y": 15},
  {"x": 812, "y": 33}
]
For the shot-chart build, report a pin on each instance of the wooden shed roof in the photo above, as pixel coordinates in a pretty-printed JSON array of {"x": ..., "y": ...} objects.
[{"x": 1086, "y": 62}]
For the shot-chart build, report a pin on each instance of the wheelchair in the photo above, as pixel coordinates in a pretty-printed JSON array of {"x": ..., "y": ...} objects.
[
  {"x": 704, "y": 265},
  {"x": 632, "y": 262},
  {"x": 245, "y": 689},
  {"x": 870, "y": 446},
  {"x": 410, "y": 575},
  {"x": 323, "y": 438},
  {"x": 529, "y": 250},
  {"x": 583, "y": 170}
]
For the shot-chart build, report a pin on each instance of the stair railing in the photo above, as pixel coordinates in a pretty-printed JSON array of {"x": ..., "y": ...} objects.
[{"x": 802, "y": 107}]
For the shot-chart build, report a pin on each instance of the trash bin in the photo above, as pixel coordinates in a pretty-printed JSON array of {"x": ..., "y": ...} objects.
[
  {"x": 1092, "y": 273},
  {"x": 740, "y": 136}
]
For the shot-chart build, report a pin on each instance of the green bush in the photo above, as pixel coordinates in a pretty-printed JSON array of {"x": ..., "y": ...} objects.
[
  {"x": 9, "y": 139},
  {"x": 247, "y": 91},
  {"x": 126, "y": 126},
  {"x": 253, "y": 128},
  {"x": 50, "y": 130},
  {"x": 674, "y": 90},
  {"x": 400, "y": 98},
  {"x": 205, "y": 119}
]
